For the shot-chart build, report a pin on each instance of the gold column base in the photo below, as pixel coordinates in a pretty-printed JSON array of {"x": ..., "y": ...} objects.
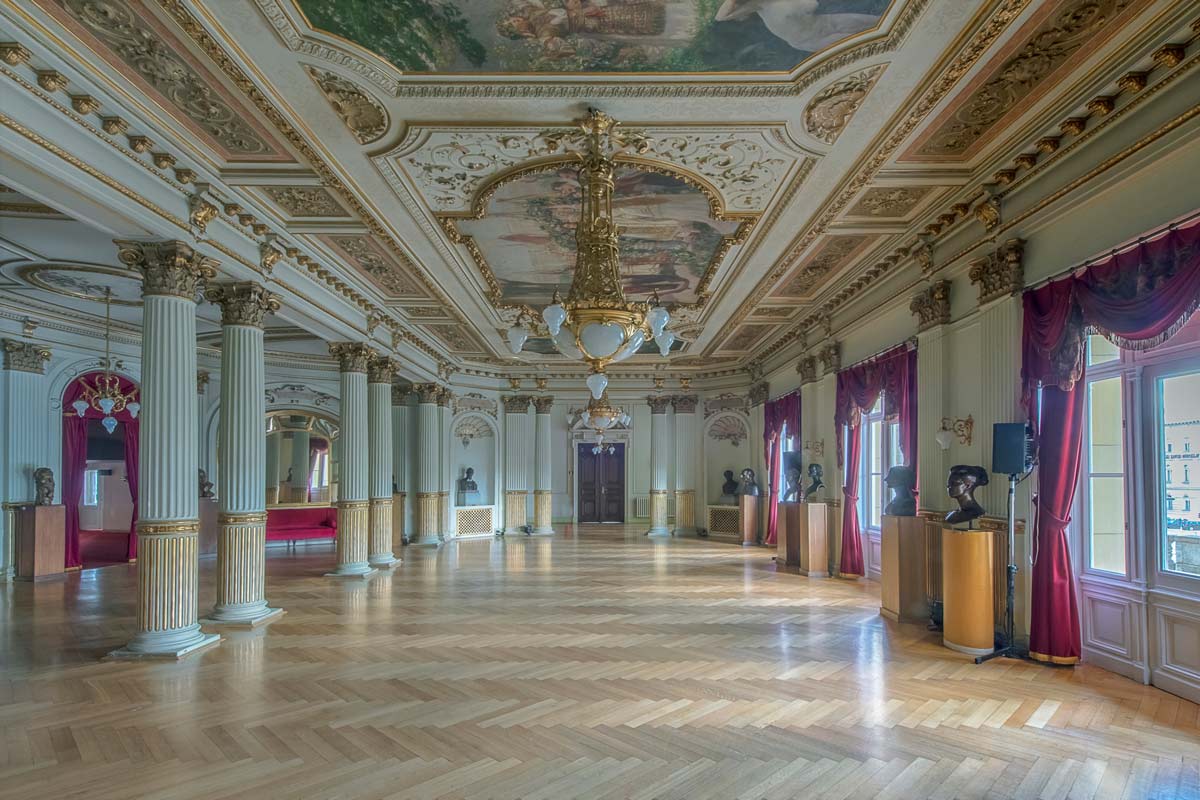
[
  {"x": 427, "y": 518},
  {"x": 658, "y": 513},
  {"x": 542, "y": 517},
  {"x": 443, "y": 515},
  {"x": 685, "y": 511},
  {"x": 399, "y": 535},
  {"x": 380, "y": 523},
  {"x": 516, "y": 516},
  {"x": 242, "y": 572},
  {"x": 352, "y": 540}
]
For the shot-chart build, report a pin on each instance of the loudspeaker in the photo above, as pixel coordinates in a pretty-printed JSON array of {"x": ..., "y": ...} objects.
[{"x": 1012, "y": 448}]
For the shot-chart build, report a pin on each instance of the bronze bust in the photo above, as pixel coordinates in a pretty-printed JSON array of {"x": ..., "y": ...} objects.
[
  {"x": 902, "y": 481},
  {"x": 467, "y": 482},
  {"x": 730, "y": 486},
  {"x": 960, "y": 485},
  {"x": 749, "y": 486},
  {"x": 791, "y": 489},
  {"x": 815, "y": 475},
  {"x": 43, "y": 484},
  {"x": 206, "y": 486}
]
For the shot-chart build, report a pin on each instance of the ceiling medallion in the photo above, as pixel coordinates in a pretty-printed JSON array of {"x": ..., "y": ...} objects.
[{"x": 596, "y": 324}]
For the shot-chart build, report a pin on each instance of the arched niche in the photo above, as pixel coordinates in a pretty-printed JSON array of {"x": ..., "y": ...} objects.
[
  {"x": 726, "y": 447},
  {"x": 475, "y": 443}
]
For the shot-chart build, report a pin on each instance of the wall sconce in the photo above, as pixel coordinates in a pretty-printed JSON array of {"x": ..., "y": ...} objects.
[
  {"x": 961, "y": 429},
  {"x": 814, "y": 449}
]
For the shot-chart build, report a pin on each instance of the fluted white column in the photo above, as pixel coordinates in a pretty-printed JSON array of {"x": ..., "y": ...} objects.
[
  {"x": 661, "y": 450},
  {"x": 543, "y": 472},
  {"x": 429, "y": 465},
  {"x": 401, "y": 458},
  {"x": 516, "y": 463},
  {"x": 22, "y": 393},
  {"x": 353, "y": 543},
  {"x": 685, "y": 464},
  {"x": 380, "y": 373},
  {"x": 446, "y": 525},
  {"x": 301, "y": 463},
  {"x": 168, "y": 511},
  {"x": 241, "y": 482},
  {"x": 272, "y": 479}
]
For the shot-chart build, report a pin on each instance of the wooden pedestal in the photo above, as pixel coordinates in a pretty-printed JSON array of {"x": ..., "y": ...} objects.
[
  {"x": 41, "y": 542},
  {"x": 902, "y": 569},
  {"x": 967, "y": 590},
  {"x": 748, "y": 514},
  {"x": 802, "y": 538}
]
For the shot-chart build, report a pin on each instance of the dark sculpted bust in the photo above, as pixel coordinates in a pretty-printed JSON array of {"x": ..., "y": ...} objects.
[
  {"x": 815, "y": 475},
  {"x": 902, "y": 481},
  {"x": 791, "y": 489},
  {"x": 730, "y": 486},
  {"x": 749, "y": 485},
  {"x": 43, "y": 484},
  {"x": 467, "y": 482},
  {"x": 961, "y": 485},
  {"x": 206, "y": 486}
]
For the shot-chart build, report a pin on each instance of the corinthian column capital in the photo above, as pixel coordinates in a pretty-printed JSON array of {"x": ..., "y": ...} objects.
[
  {"x": 542, "y": 404},
  {"x": 685, "y": 403},
  {"x": 351, "y": 356},
  {"x": 242, "y": 302},
  {"x": 25, "y": 356},
  {"x": 168, "y": 268},
  {"x": 381, "y": 369}
]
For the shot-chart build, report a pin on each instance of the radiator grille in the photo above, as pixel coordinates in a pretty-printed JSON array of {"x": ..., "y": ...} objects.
[
  {"x": 474, "y": 520},
  {"x": 724, "y": 519}
]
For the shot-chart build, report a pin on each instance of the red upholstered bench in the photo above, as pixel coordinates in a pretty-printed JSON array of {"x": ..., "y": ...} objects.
[{"x": 294, "y": 524}]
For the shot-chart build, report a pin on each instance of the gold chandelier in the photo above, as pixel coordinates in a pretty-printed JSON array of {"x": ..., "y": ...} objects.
[
  {"x": 104, "y": 393},
  {"x": 596, "y": 324},
  {"x": 601, "y": 415}
]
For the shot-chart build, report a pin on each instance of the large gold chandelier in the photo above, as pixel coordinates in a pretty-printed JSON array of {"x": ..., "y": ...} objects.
[{"x": 596, "y": 324}]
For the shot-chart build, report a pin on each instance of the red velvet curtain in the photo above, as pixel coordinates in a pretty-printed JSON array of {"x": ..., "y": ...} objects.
[
  {"x": 778, "y": 414},
  {"x": 132, "y": 476},
  {"x": 894, "y": 375},
  {"x": 1137, "y": 299},
  {"x": 74, "y": 460},
  {"x": 74, "y": 463}
]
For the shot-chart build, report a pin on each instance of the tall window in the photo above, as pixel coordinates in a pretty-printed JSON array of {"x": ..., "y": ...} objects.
[
  {"x": 1178, "y": 420},
  {"x": 880, "y": 450},
  {"x": 1104, "y": 458}
]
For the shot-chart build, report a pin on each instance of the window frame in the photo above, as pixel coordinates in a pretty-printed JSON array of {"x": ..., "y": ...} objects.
[
  {"x": 888, "y": 435},
  {"x": 1116, "y": 368},
  {"x": 91, "y": 485},
  {"x": 1169, "y": 365}
]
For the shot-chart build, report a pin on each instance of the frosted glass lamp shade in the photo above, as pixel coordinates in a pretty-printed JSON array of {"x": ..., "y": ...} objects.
[
  {"x": 597, "y": 382},
  {"x": 586, "y": 417},
  {"x": 944, "y": 438},
  {"x": 80, "y": 407},
  {"x": 109, "y": 423},
  {"x": 601, "y": 339},
  {"x": 554, "y": 316},
  {"x": 565, "y": 344},
  {"x": 106, "y": 404},
  {"x": 516, "y": 338},
  {"x": 657, "y": 318},
  {"x": 133, "y": 408},
  {"x": 636, "y": 340},
  {"x": 664, "y": 341}
]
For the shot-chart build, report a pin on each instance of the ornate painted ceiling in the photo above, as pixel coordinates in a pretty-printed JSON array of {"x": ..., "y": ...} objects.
[{"x": 401, "y": 154}]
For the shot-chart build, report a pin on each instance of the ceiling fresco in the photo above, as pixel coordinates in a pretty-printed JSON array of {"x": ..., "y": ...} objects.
[
  {"x": 547, "y": 36},
  {"x": 668, "y": 236}
]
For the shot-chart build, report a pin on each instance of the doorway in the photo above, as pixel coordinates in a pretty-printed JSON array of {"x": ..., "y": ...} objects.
[
  {"x": 106, "y": 506},
  {"x": 601, "y": 483}
]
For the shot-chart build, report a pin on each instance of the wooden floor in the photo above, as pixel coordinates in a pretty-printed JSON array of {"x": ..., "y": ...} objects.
[{"x": 603, "y": 665}]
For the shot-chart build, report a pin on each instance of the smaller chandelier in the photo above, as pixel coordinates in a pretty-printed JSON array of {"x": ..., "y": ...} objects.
[
  {"x": 104, "y": 393},
  {"x": 601, "y": 415}
]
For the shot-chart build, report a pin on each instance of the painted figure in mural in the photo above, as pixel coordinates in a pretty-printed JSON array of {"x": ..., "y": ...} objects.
[
  {"x": 206, "y": 486},
  {"x": 816, "y": 474},
  {"x": 961, "y": 485},
  {"x": 749, "y": 485},
  {"x": 800, "y": 23},
  {"x": 43, "y": 484},
  {"x": 903, "y": 483}
]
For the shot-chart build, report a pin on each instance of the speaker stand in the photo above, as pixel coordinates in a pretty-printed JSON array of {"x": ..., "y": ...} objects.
[{"x": 1009, "y": 648}]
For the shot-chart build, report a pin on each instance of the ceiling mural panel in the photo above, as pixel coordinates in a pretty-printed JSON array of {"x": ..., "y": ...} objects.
[
  {"x": 147, "y": 51},
  {"x": 85, "y": 282},
  {"x": 555, "y": 36},
  {"x": 833, "y": 254},
  {"x": 889, "y": 202},
  {"x": 369, "y": 257},
  {"x": 668, "y": 236},
  {"x": 306, "y": 201},
  {"x": 745, "y": 337},
  {"x": 1061, "y": 33},
  {"x": 456, "y": 337}
]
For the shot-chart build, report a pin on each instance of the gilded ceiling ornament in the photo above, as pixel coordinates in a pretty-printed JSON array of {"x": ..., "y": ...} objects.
[
  {"x": 988, "y": 210},
  {"x": 1000, "y": 273},
  {"x": 932, "y": 306},
  {"x": 1101, "y": 106},
  {"x": 729, "y": 428},
  {"x": 200, "y": 212},
  {"x": 1073, "y": 126},
  {"x": 25, "y": 356},
  {"x": 150, "y": 55},
  {"x": 889, "y": 202},
  {"x": 85, "y": 103},
  {"x": 774, "y": 312},
  {"x": 1133, "y": 82},
  {"x": 368, "y": 257},
  {"x": 167, "y": 267},
  {"x": 243, "y": 302},
  {"x": 202, "y": 379},
  {"x": 140, "y": 144},
  {"x": 1169, "y": 56},
  {"x": 351, "y": 356},
  {"x": 425, "y": 312},
  {"x": 1073, "y": 26},
  {"x": 306, "y": 201},
  {"x": 359, "y": 111},
  {"x": 114, "y": 126},
  {"x": 831, "y": 256},
  {"x": 828, "y": 113},
  {"x": 381, "y": 369},
  {"x": 51, "y": 80},
  {"x": 13, "y": 54},
  {"x": 268, "y": 257}
]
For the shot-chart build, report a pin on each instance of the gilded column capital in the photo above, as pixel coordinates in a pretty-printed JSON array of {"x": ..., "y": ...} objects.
[
  {"x": 444, "y": 396},
  {"x": 427, "y": 393},
  {"x": 381, "y": 369},
  {"x": 685, "y": 403},
  {"x": 759, "y": 392},
  {"x": 932, "y": 306},
  {"x": 543, "y": 403},
  {"x": 170, "y": 268},
  {"x": 400, "y": 394},
  {"x": 1000, "y": 273},
  {"x": 515, "y": 404},
  {"x": 658, "y": 403},
  {"x": 351, "y": 356},
  {"x": 242, "y": 302},
  {"x": 202, "y": 377},
  {"x": 831, "y": 358},
  {"x": 25, "y": 356},
  {"x": 807, "y": 367}
]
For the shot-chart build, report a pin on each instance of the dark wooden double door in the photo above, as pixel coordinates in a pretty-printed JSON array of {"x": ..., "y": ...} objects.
[{"x": 601, "y": 484}]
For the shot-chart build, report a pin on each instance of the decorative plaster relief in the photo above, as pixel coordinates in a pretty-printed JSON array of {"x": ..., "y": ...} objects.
[
  {"x": 473, "y": 401},
  {"x": 306, "y": 201},
  {"x": 367, "y": 255},
  {"x": 729, "y": 428},
  {"x": 889, "y": 202},
  {"x": 361, "y": 113},
  {"x": 835, "y": 253},
  {"x": 830, "y": 111},
  {"x": 725, "y": 402},
  {"x": 472, "y": 427}
]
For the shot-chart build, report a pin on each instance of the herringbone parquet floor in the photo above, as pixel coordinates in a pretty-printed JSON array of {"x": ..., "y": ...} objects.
[{"x": 602, "y": 665}]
